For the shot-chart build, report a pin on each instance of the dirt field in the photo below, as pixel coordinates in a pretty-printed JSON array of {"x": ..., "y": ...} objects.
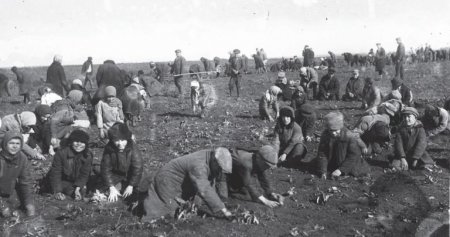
[{"x": 383, "y": 204}]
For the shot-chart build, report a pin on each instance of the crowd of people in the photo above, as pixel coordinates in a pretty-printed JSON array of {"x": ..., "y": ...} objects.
[{"x": 59, "y": 126}]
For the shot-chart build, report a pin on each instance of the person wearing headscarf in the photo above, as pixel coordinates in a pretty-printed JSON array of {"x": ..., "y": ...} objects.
[
  {"x": 185, "y": 177},
  {"x": 436, "y": 121},
  {"x": 122, "y": 166},
  {"x": 56, "y": 77},
  {"x": 48, "y": 97},
  {"x": 288, "y": 137},
  {"x": 305, "y": 117},
  {"x": 353, "y": 90},
  {"x": 25, "y": 80},
  {"x": 22, "y": 123},
  {"x": 15, "y": 175},
  {"x": 108, "y": 111},
  {"x": 410, "y": 143},
  {"x": 78, "y": 94},
  {"x": 371, "y": 94},
  {"x": 380, "y": 60},
  {"x": 405, "y": 92},
  {"x": 339, "y": 152},
  {"x": 309, "y": 79},
  {"x": 71, "y": 167},
  {"x": 250, "y": 168},
  {"x": 269, "y": 104},
  {"x": 329, "y": 86},
  {"x": 308, "y": 56}
]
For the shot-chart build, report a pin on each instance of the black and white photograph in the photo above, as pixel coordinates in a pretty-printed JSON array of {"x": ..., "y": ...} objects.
[{"x": 224, "y": 118}]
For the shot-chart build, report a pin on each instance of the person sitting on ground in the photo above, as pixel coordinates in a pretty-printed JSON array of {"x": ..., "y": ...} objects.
[
  {"x": 329, "y": 86},
  {"x": 309, "y": 79},
  {"x": 185, "y": 177},
  {"x": 15, "y": 175},
  {"x": 410, "y": 143},
  {"x": 353, "y": 90},
  {"x": 371, "y": 94},
  {"x": 298, "y": 98},
  {"x": 339, "y": 151},
  {"x": 249, "y": 168},
  {"x": 122, "y": 166},
  {"x": 22, "y": 123},
  {"x": 436, "y": 121},
  {"x": 269, "y": 104},
  {"x": 305, "y": 117},
  {"x": 48, "y": 97},
  {"x": 108, "y": 111},
  {"x": 42, "y": 133},
  {"x": 71, "y": 167},
  {"x": 289, "y": 138},
  {"x": 405, "y": 92}
]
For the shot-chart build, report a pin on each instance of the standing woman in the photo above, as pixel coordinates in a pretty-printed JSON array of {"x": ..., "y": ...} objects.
[{"x": 380, "y": 60}]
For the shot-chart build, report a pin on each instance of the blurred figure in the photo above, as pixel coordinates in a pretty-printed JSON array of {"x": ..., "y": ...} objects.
[
  {"x": 305, "y": 117},
  {"x": 371, "y": 94},
  {"x": 269, "y": 104},
  {"x": 155, "y": 72},
  {"x": 308, "y": 57},
  {"x": 400, "y": 59},
  {"x": 405, "y": 92},
  {"x": 25, "y": 83},
  {"x": 178, "y": 69},
  {"x": 380, "y": 60},
  {"x": 88, "y": 70},
  {"x": 329, "y": 86},
  {"x": 309, "y": 79},
  {"x": 354, "y": 87},
  {"x": 436, "y": 121},
  {"x": 48, "y": 97},
  {"x": 56, "y": 77},
  {"x": 237, "y": 69}
]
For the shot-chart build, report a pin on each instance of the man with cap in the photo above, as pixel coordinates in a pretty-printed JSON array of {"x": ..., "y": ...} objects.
[
  {"x": 380, "y": 60},
  {"x": 436, "y": 121},
  {"x": 56, "y": 77},
  {"x": 288, "y": 137},
  {"x": 405, "y": 92},
  {"x": 71, "y": 167},
  {"x": 25, "y": 80},
  {"x": 400, "y": 59},
  {"x": 339, "y": 152},
  {"x": 15, "y": 175},
  {"x": 108, "y": 111},
  {"x": 308, "y": 57},
  {"x": 122, "y": 166},
  {"x": 354, "y": 87},
  {"x": 309, "y": 79},
  {"x": 329, "y": 86},
  {"x": 269, "y": 104},
  {"x": 411, "y": 143},
  {"x": 371, "y": 94},
  {"x": 305, "y": 117},
  {"x": 178, "y": 69},
  {"x": 185, "y": 177},
  {"x": 22, "y": 123},
  {"x": 249, "y": 168},
  {"x": 237, "y": 69},
  {"x": 88, "y": 70}
]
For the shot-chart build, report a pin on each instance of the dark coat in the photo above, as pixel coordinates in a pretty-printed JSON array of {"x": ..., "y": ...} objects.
[
  {"x": 4, "y": 85},
  {"x": 407, "y": 97},
  {"x": 108, "y": 74},
  {"x": 411, "y": 143},
  {"x": 400, "y": 54},
  {"x": 306, "y": 122},
  {"x": 56, "y": 77},
  {"x": 71, "y": 167},
  {"x": 237, "y": 66},
  {"x": 287, "y": 137},
  {"x": 25, "y": 82},
  {"x": 354, "y": 86},
  {"x": 380, "y": 59},
  {"x": 121, "y": 166},
  {"x": 329, "y": 85},
  {"x": 308, "y": 57},
  {"x": 341, "y": 153},
  {"x": 178, "y": 65}
]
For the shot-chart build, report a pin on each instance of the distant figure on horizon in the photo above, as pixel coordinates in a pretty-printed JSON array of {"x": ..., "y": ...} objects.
[
  {"x": 380, "y": 60},
  {"x": 177, "y": 70},
  {"x": 88, "y": 71},
  {"x": 25, "y": 83},
  {"x": 308, "y": 57},
  {"x": 56, "y": 77},
  {"x": 400, "y": 59}
]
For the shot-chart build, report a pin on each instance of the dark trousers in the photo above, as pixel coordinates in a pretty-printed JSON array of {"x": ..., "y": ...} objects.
[
  {"x": 399, "y": 70},
  {"x": 234, "y": 81},
  {"x": 178, "y": 80},
  {"x": 87, "y": 80}
]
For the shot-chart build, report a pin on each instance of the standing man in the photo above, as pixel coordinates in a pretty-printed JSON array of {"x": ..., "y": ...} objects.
[
  {"x": 178, "y": 69},
  {"x": 308, "y": 57},
  {"x": 25, "y": 83},
  {"x": 56, "y": 77},
  {"x": 400, "y": 58},
  {"x": 87, "y": 70},
  {"x": 237, "y": 68}
]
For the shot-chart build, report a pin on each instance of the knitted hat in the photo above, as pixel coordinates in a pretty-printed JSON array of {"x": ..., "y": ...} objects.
[
  {"x": 75, "y": 95},
  {"x": 79, "y": 136},
  {"x": 110, "y": 91},
  {"x": 10, "y": 135},
  {"x": 224, "y": 159},
  {"x": 334, "y": 120},
  {"x": 306, "y": 110},
  {"x": 77, "y": 82},
  {"x": 42, "y": 110},
  {"x": 281, "y": 74},
  {"x": 396, "y": 83},
  {"x": 119, "y": 131},
  {"x": 287, "y": 112},
  {"x": 27, "y": 118},
  {"x": 269, "y": 155},
  {"x": 410, "y": 110}
]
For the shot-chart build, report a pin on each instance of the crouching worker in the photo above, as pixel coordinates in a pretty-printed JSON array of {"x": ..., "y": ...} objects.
[
  {"x": 269, "y": 104},
  {"x": 121, "y": 166},
  {"x": 249, "y": 168},
  {"x": 71, "y": 167},
  {"x": 339, "y": 151},
  {"x": 15, "y": 174},
  {"x": 289, "y": 138},
  {"x": 184, "y": 178},
  {"x": 411, "y": 143},
  {"x": 436, "y": 121}
]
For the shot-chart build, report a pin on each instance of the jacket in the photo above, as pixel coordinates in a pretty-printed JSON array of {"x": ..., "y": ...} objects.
[
  {"x": 237, "y": 66},
  {"x": 57, "y": 78},
  {"x": 267, "y": 102},
  {"x": 286, "y": 137},
  {"x": 438, "y": 124},
  {"x": 308, "y": 57},
  {"x": 126, "y": 165},
  {"x": 329, "y": 85},
  {"x": 70, "y": 166},
  {"x": 25, "y": 82},
  {"x": 400, "y": 53},
  {"x": 411, "y": 142},
  {"x": 311, "y": 76},
  {"x": 108, "y": 115},
  {"x": 366, "y": 122},
  {"x": 11, "y": 123},
  {"x": 178, "y": 65},
  {"x": 371, "y": 96},
  {"x": 341, "y": 153},
  {"x": 108, "y": 74},
  {"x": 354, "y": 86},
  {"x": 307, "y": 123}
]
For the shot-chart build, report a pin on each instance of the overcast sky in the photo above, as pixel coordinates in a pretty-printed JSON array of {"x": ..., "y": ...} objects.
[{"x": 32, "y": 31}]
